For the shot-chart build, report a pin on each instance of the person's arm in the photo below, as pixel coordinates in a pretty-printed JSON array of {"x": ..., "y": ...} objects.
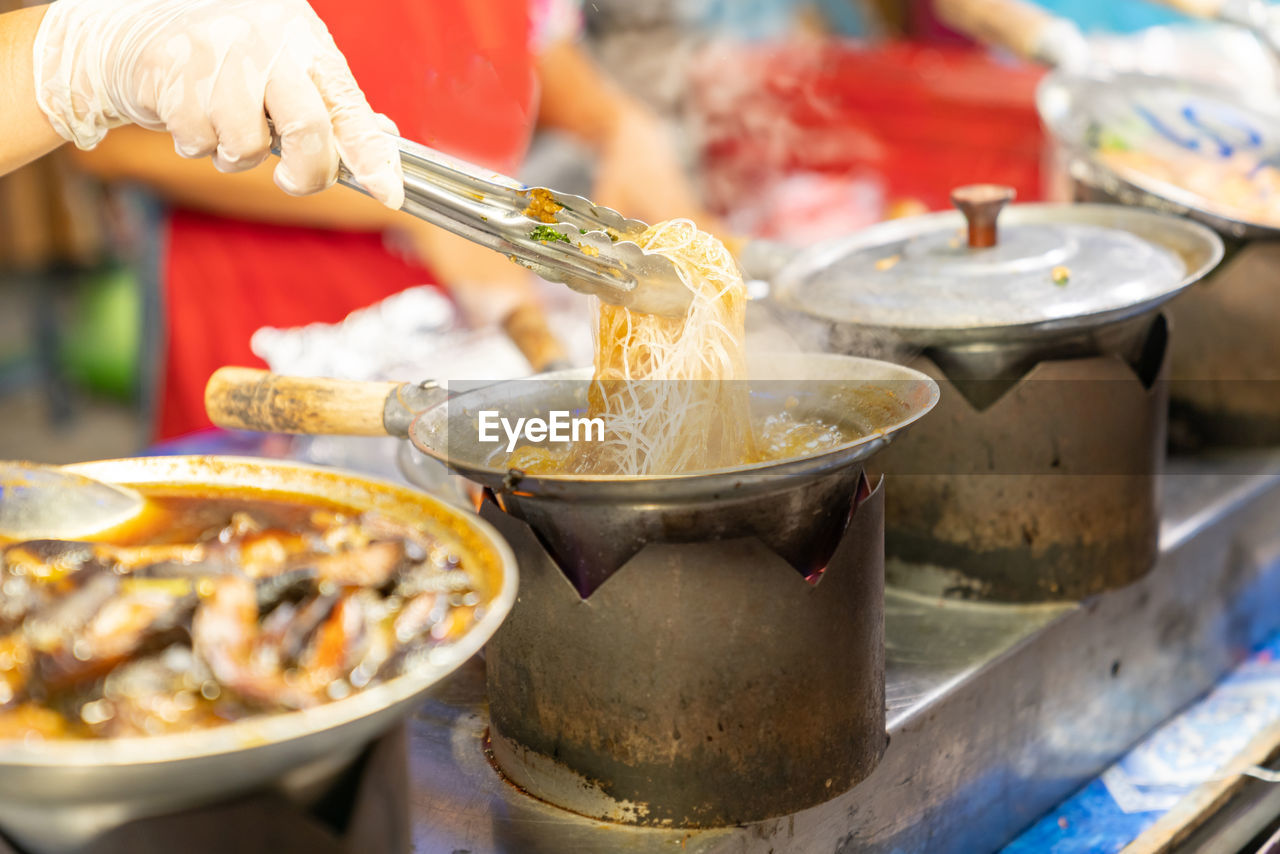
[
  {"x": 134, "y": 154},
  {"x": 577, "y": 97},
  {"x": 27, "y": 133}
]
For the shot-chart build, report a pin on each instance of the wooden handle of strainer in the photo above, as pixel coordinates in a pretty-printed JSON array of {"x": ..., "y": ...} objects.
[
  {"x": 526, "y": 325},
  {"x": 252, "y": 399}
]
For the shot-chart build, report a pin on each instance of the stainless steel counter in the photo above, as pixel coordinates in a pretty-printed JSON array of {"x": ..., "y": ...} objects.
[{"x": 996, "y": 712}]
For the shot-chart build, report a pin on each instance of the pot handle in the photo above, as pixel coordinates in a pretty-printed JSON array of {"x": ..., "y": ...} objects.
[
  {"x": 252, "y": 399},
  {"x": 1017, "y": 26}
]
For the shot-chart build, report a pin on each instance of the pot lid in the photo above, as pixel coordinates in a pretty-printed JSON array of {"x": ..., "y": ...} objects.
[
  {"x": 1211, "y": 154},
  {"x": 953, "y": 277}
]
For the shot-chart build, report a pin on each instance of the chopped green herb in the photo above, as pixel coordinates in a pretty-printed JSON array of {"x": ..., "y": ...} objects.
[
  {"x": 547, "y": 234},
  {"x": 582, "y": 231}
]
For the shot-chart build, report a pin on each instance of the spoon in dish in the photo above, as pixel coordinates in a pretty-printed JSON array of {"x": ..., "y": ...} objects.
[{"x": 45, "y": 502}]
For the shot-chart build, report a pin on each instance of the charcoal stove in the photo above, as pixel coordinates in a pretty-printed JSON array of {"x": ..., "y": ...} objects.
[
  {"x": 1225, "y": 372},
  {"x": 661, "y": 667},
  {"x": 1222, "y": 372},
  {"x": 1046, "y": 492},
  {"x": 995, "y": 711},
  {"x": 1036, "y": 479},
  {"x": 686, "y": 691}
]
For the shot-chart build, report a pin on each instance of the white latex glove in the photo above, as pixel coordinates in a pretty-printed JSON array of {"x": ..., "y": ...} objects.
[{"x": 209, "y": 72}]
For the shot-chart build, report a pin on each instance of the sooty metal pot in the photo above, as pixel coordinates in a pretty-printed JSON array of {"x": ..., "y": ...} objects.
[
  {"x": 1036, "y": 478},
  {"x": 700, "y": 649}
]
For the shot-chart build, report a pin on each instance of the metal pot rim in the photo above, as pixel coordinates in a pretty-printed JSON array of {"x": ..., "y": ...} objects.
[
  {"x": 1134, "y": 189},
  {"x": 723, "y": 483}
]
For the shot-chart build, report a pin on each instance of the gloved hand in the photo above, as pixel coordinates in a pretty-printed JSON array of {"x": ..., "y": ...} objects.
[{"x": 209, "y": 72}]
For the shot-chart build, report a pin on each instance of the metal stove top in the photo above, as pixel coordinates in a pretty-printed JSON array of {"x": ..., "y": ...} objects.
[{"x": 996, "y": 712}]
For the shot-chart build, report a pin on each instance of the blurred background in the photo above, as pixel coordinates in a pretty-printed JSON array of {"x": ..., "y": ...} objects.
[{"x": 124, "y": 279}]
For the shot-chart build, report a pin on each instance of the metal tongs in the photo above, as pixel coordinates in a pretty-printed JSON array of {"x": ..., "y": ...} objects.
[{"x": 560, "y": 237}]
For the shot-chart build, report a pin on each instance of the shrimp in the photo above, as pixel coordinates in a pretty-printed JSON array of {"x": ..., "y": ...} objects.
[{"x": 226, "y": 636}]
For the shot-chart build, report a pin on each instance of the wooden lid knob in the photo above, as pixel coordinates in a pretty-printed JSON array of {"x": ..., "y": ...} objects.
[{"x": 981, "y": 204}]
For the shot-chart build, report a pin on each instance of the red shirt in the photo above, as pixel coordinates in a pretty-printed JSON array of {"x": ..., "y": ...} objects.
[{"x": 454, "y": 74}]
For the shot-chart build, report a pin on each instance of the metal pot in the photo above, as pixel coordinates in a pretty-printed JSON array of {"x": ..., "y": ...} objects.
[
  {"x": 1041, "y": 336},
  {"x": 55, "y": 796}
]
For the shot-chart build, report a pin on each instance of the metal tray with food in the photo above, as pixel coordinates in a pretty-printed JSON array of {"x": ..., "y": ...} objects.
[
  {"x": 255, "y": 627},
  {"x": 1172, "y": 142}
]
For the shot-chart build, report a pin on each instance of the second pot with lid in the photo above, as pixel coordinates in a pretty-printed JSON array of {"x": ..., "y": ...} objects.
[{"x": 1035, "y": 479}]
